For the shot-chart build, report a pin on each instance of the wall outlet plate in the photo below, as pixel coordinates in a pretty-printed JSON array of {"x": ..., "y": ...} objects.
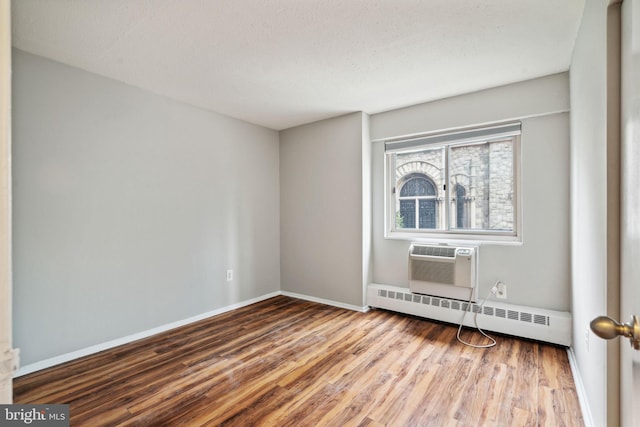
[
  {"x": 502, "y": 291},
  {"x": 229, "y": 275}
]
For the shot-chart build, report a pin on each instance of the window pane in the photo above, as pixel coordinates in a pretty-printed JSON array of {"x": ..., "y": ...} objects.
[
  {"x": 427, "y": 213},
  {"x": 481, "y": 183},
  {"x": 407, "y": 217},
  {"x": 461, "y": 207},
  {"x": 419, "y": 183}
]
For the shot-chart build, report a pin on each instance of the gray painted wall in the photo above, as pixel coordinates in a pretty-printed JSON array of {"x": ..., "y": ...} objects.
[
  {"x": 129, "y": 208},
  {"x": 525, "y": 99},
  {"x": 537, "y": 272},
  {"x": 321, "y": 209}
]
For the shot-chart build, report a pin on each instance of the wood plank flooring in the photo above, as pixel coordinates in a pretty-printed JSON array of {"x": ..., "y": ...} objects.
[{"x": 287, "y": 362}]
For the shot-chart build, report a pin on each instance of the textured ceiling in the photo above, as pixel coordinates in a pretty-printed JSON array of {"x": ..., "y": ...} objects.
[{"x": 281, "y": 63}]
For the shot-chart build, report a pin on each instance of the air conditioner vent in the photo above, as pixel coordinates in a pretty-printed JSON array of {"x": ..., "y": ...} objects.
[
  {"x": 441, "y": 251},
  {"x": 430, "y": 271}
]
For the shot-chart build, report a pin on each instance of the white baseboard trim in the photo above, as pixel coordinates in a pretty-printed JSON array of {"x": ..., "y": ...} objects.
[
  {"x": 67, "y": 357},
  {"x": 582, "y": 394},
  {"x": 47, "y": 363},
  {"x": 363, "y": 309}
]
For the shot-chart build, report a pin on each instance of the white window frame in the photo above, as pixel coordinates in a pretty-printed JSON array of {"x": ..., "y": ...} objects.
[{"x": 446, "y": 140}]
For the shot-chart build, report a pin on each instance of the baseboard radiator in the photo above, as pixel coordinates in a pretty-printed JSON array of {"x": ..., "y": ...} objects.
[{"x": 527, "y": 322}]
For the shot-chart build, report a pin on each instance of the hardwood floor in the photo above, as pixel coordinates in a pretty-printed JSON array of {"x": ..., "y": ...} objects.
[{"x": 287, "y": 362}]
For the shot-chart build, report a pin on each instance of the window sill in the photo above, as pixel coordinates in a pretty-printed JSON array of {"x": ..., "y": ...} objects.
[{"x": 457, "y": 239}]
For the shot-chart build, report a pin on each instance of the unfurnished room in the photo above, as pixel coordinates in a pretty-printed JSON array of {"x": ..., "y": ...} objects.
[{"x": 320, "y": 213}]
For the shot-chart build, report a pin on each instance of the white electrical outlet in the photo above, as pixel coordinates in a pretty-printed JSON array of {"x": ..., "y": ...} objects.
[
  {"x": 502, "y": 291},
  {"x": 229, "y": 275}
]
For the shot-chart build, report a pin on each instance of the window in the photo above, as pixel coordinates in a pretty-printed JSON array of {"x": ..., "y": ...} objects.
[
  {"x": 459, "y": 185},
  {"x": 417, "y": 202}
]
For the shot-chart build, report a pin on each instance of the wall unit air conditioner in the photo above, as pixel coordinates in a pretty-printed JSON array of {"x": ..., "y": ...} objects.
[{"x": 444, "y": 271}]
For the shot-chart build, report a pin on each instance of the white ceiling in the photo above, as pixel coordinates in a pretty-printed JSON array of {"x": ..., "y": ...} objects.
[{"x": 281, "y": 63}]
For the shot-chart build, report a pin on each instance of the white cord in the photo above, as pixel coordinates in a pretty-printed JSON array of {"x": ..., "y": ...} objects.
[{"x": 475, "y": 321}]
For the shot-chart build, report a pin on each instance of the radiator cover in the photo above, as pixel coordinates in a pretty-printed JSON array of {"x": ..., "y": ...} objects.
[{"x": 526, "y": 322}]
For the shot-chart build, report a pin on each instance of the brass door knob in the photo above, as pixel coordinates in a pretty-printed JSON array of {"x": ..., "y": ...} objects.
[{"x": 607, "y": 328}]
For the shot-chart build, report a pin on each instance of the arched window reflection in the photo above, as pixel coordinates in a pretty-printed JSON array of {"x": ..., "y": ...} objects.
[{"x": 418, "y": 202}]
